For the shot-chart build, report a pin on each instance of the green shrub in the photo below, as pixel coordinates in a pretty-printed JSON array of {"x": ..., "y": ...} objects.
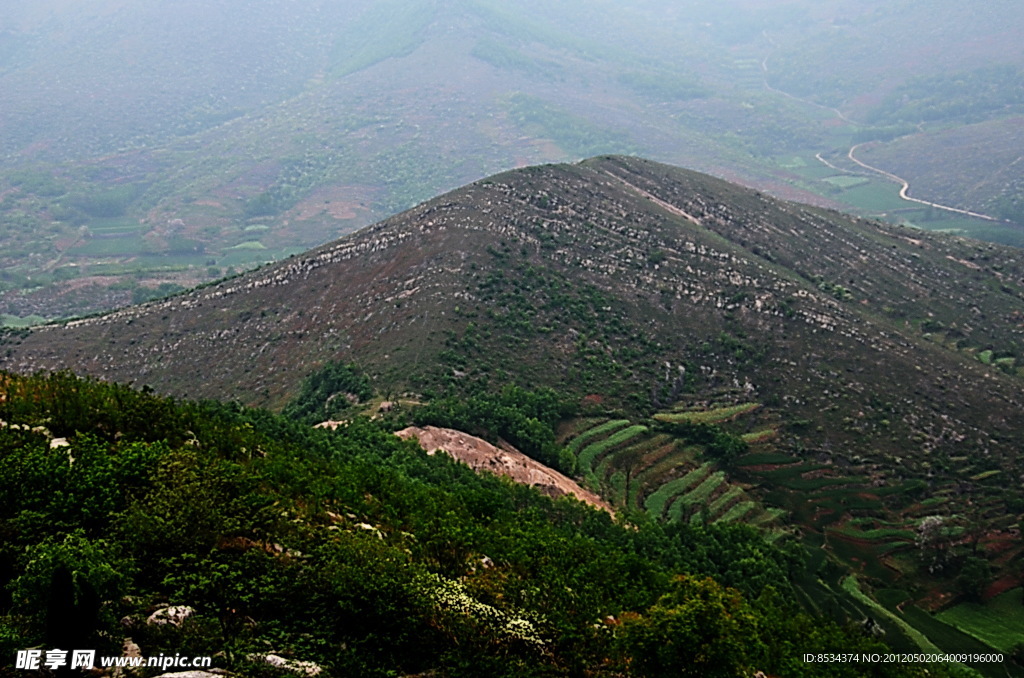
[{"x": 329, "y": 393}]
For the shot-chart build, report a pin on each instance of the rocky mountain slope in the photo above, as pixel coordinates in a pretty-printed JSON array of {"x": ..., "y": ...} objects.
[{"x": 619, "y": 278}]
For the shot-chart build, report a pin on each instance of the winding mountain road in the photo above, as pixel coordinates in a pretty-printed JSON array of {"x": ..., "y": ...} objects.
[
  {"x": 905, "y": 185},
  {"x": 906, "y": 188}
]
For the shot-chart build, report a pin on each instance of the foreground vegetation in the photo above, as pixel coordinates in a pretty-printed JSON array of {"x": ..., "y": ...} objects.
[{"x": 357, "y": 551}]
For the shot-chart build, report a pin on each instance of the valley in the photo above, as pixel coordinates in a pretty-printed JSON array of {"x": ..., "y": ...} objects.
[{"x": 190, "y": 179}]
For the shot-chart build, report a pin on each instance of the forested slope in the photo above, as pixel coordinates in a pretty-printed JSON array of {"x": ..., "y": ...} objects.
[{"x": 357, "y": 551}]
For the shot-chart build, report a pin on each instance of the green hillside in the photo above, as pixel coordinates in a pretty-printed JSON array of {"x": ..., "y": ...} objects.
[{"x": 358, "y": 552}]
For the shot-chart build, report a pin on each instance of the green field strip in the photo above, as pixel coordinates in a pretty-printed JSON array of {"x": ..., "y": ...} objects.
[
  {"x": 762, "y": 436},
  {"x": 941, "y": 634},
  {"x": 874, "y": 196},
  {"x": 618, "y": 485},
  {"x": 791, "y": 471},
  {"x": 889, "y": 490},
  {"x": 635, "y": 487},
  {"x": 790, "y": 162},
  {"x": 602, "y": 467},
  {"x": 707, "y": 511},
  {"x": 844, "y": 492},
  {"x": 823, "y": 519},
  {"x": 707, "y": 416},
  {"x": 769, "y": 515},
  {"x": 1004, "y": 522},
  {"x": 855, "y": 610},
  {"x": 881, "y": 534},
  {"x": 115, "y": 228},
  {"x": 891, "y": 598},
  {"x": 737, "y": 513},
  {"x": 678, "y": 509},
  {"x": 675, "y": 508},
  {"x": 807, "y": 484},
  {"x": 950, "y": 638},
  {"x": 816, "y": 557},
  {"x": 134, "y": 267},
  {"x": 641, "y": 447},
  {"x": 649, "y": 476},
  {"x": 892, "y": 547},
  {"x": 857, "y": 522},
  {"x": 722, "y": 503},
  {"x": 702, "y": 492},
  {"x": 667, "y": 458},
  {"x": 841, "y": 504},
  {"x": 759, "y": 458},
  {"x": 985, "y": 475},
  {"x": 120, "y": 245},
  {"x": 999, "y": 622},
  {"x": 844, "y": 181},
  {"x": 590, "y": 452},
  {"x": 576, "y": 443},
  {"x": 654, "y": 449},
  {"x": 578, "y": 427},
  {"x": 814, "y": 171},
  {"x": 813, "y": 595},
  {"x": 655, "y": 502},
  {"x": 858, "y": 556}
]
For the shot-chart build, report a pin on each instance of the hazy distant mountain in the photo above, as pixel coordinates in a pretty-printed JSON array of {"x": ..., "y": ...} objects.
[{"x": 170, "y": 142}]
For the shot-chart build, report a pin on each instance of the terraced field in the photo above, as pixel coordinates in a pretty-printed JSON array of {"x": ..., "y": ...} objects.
[
  {"x": 845, "y": 508},
  {"x": 639, "y": 467},
  {"x": 711, "y": 416},
  {"x": 589, "y": 454},
  {"x": 867, "y": 516},
  {"x": 853, "y": 513}
]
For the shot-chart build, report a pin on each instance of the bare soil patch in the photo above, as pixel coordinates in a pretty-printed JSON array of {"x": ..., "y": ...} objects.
[{"x": 507, "y": 461}]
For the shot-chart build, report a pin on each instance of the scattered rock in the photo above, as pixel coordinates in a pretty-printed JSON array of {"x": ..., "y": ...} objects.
[
  {"x": 293, "y": 665},
  {"x": 130, "y": 649},
  {"x": 174, "y": 615}
]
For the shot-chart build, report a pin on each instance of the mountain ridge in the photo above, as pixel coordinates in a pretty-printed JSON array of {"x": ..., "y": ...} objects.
[{"x": 615, "y": 276}]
